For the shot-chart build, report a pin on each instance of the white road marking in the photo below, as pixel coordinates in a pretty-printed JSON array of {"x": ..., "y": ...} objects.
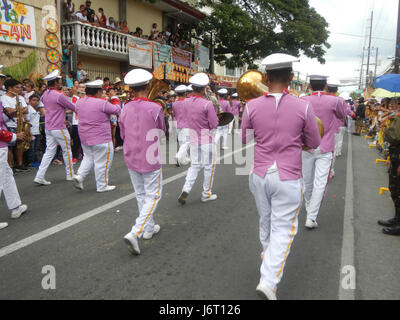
[
  {"x": 85, "y": 216},
  {"x": 348, "y": 227}
]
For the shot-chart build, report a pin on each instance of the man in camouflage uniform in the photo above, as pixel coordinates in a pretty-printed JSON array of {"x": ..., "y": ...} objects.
[{"x": 392, "y": 226}]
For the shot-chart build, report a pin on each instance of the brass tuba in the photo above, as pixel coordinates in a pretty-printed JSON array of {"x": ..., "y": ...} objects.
[
  {"x": 252, "y": 85},
  {"x": 156, "y": 86}
]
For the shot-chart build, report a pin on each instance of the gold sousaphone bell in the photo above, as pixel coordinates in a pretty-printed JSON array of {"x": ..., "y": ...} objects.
[{"x": 252, "y": 85}]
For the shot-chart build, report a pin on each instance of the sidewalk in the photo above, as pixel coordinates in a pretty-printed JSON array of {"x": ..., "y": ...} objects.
[{"x": 377, "y": 256}]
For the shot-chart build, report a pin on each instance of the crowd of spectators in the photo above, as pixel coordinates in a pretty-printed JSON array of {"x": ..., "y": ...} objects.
[
  {"x": 29, "y": 95},
  {"x": 86, "y": 14}
]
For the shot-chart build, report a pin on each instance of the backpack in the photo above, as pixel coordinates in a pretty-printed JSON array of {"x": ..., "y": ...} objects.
[{"x": 392, "y": 134}]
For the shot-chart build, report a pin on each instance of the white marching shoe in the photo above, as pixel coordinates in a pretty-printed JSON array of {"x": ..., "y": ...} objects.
[
  {"x": 265, "y": 293},
  {"x": 310, "y": 224},
  {"x": 149, "y": 235},
  {"x": 18, "y": 212},
  {"x": 78, "y": 182},
  {"x": 132, "y": 243},
  {"x": 213, "y": 197},
  {"x": 3, "y": 225},
  {"x": 69, "y": 178},
  {"x": 107, "y": 189},
  {"x": 42, "y": 182}
]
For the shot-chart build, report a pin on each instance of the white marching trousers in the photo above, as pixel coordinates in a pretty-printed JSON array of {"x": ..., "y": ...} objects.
[
  {"x": 222, "y": 133},
  {"x": 278, "y": 204},
  {"x": 100, "y": 157},
  {"x": 202, "y": 156},
  {"x": 148, "y": 189},
  {"x": 184, "y": 145},
  {"x": 349, "y": 124},
  {"x": 236, "y": 122},
  {"x": 339, "y": 141},
  {"x": 53, "y": 139},
  {"x": 7, "y": 182},
  {"x": 316, "y": 169}
]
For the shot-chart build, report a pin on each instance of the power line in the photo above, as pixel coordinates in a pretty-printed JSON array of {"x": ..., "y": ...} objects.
[{"x": 360, "y": 36}]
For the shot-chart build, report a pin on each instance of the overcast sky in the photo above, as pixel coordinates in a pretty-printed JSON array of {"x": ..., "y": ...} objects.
[{"x": 351, "y": 17}]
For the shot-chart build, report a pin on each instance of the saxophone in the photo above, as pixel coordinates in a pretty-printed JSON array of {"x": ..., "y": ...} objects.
[{"x": 22, "y": 126}]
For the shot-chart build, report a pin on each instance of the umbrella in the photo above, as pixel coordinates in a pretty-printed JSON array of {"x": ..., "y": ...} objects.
[
  {"x": 389, "y": 82},
  {"x": 382, "y": 93},
  {"x": 345, "y": 96}
]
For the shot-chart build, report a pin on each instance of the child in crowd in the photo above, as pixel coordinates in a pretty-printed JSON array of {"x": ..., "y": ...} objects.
[
  {"x": 35, "y": 111},
  {"x": 81, "y": 74}
]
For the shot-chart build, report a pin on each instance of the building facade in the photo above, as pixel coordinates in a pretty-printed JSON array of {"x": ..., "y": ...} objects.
[{"x": 30, "y": 42}]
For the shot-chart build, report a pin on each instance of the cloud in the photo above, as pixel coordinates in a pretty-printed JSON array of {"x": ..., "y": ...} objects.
[{"x": 350, "y": 17}]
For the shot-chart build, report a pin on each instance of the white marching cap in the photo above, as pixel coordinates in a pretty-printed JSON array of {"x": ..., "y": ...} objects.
[
  {"x": 318, "y": 77},
  {"x": 2, "y": 75},
  {"x": 223, "y": 91},
  {"x": 200, "y": 80},
  {"x": 53, "y": 75},
  {"x": 181, "y": 89},
  {"x": 138, "y": 77},
  {"x": 190, "y": 88},
  {"x": 235, "y": 95},
  {"x": 279, "y": 61},
  {"x": 172, "y": 93},
  {"x": 332, "y": 82},
  {"x": 97, "y": 84}
]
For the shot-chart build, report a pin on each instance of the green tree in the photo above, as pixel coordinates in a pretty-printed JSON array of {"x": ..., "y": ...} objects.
[{"x": 246, "y": 30}]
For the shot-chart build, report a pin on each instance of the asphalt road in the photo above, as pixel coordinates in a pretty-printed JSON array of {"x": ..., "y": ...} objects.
[{"x": 204, "y": 251}]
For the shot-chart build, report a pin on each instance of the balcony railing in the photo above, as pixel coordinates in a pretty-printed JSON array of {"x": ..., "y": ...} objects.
[{"x": 89, "y": 37}]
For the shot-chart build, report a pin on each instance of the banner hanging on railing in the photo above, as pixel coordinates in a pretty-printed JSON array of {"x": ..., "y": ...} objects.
[
  {"x": 17, "y": 23},
  {"x": 140, "y": 53},
  {"x": 181, "y": 57},
  {"x": 161, "y": 56}
]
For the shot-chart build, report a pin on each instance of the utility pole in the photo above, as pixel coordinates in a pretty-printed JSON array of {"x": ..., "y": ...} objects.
[
  {"x": 397, "y": 56},
  {"x": 361, "y": 70},
  {"x": 376, "y": 62},
  {"x": 369, "y": 49},
  {"x": 212, "y": 53}
]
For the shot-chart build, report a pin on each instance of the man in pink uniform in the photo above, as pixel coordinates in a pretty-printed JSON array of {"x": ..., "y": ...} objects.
[
  {"x": 222, "y": 131},
  {"x": 94, "y": 114},
  {"x": 7, "y": 181},
  {"x": 317, "y": 163},
  {"x": 333, "y": 87},
  {"x": 281, "y": 125},
  {"x": 142, "y": 126},
  {"x": 180, "y": 110},
  {"x": 55, "y": 104},
  {"x": 236, "y": 107},
  {"x": 202, "y": 119}
]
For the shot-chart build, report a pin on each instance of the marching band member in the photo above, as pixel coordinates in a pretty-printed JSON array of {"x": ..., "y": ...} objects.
[
  {"x": 142, "y": 126},
  {"x": 222, "y": 131},
  {"x": 179, "y": 108},
  {"x": 236, "y": 107},
  {"x": 14, "y": 93},
  {"x": 95, "y": 134},
  {"x": 55, "y": 104},
  {"x": 7, "y": 181},
  {"x": 202, "y": 119},
  {"x": 333, "y": 86},
  {"x": 317, "y": 163},
  {"x": 2, "y": 79},
  {"x": 282, "y": 124}
]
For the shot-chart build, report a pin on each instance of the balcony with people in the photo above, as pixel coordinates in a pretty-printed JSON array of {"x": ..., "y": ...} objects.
[{"x": 96, "y": 34}]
